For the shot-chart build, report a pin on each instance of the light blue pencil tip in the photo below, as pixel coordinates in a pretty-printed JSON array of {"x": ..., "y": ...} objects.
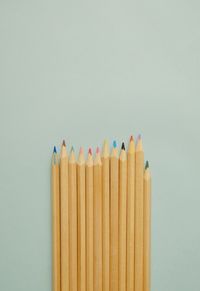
[
  {"x": 114, "y": 144},
  {"x": 54, "y": 150}
]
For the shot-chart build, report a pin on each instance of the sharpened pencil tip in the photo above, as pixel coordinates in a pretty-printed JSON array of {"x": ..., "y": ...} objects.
[
  {"x": 139, "y": 137},
  {"x": 123, "y": 146},
  {"x": 131, "y": 138},
  {"x": 146, "y": 165},
  {"x": 64, "y": 144},
  {"x": 81, "y": 150},
  {"x": 97, "y": 150},
  {"x": 90, "y": 151},
  {"x": 72, "y": 149},
  {"x": 114, "y": 144},
  {"x": 54, "y": 149}
]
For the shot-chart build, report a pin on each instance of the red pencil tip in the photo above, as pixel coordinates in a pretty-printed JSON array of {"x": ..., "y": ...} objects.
[{"x": 90, "y": 151}]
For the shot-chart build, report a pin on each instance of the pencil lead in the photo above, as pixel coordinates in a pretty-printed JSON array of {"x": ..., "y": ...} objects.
[
  {"x": 131, "y": 138},
  {"x": 72, "y": 149},
  {"x": 90, "y": 151},
  {"x": 114, "y": 144},
  {"x": 105, "y": 144},
  {"x": 123, "y": 146},
  {"x": 54, "y": 150},
  {"x": 97, "y": 150},
  {"x": 64, "y": 144},
  {"x": 146, "y": 165},
  {"x": 139, "y": 138}
]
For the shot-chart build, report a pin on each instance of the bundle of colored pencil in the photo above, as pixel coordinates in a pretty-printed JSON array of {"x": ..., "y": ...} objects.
[{"x": 101, "y": 219}]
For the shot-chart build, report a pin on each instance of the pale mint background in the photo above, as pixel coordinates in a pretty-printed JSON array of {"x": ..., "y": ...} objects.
[{"x": 86, "y": 70}]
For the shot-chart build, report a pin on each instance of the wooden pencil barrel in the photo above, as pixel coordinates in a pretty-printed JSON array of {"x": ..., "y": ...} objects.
[
  {"x": 73, "y": 258},
  {"x": 139, "y": 162},
  {"x": 114, "y": 229},
  {"x": 56, "y": 226},
  {"x": 98, "y": 227}
]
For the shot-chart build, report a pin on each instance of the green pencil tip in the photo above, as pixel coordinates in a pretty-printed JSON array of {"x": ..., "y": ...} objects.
[{"x": 146, "y": 165}]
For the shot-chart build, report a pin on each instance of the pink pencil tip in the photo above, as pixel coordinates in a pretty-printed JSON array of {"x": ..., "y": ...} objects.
[
  {"x": 97, "y": 150},
  {"x": 139, "y": 136},
  {"x": 90, "y": 151},
  {"x": 81, "y": 150}
]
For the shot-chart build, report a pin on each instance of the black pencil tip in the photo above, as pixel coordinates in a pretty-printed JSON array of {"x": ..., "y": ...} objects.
[
  {"x": 123, "y": 146},
  {"x": 64, "y": 144},
  {"x": 146, "y": 165}
]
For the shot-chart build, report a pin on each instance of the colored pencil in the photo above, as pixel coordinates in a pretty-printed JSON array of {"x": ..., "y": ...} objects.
[
  {"x": 139, "y": 162},
  {"x": 64, "y": 209},
  {"x": 97, "y": 222},
  {"x": 114, "y": 185},
  {"x": 101, "y": 218},
  {"x": 122, "y": 217},
  {"x": 56, "y": 220},
  {"x": 106, "y": 212},
  {"x": 147, "y": 227},
  {"x": 89, "y": 222},
  {"x": 72, "y": 223},
  {"x": 130, "y": 215},
  {"x": 81, "y": 222}
]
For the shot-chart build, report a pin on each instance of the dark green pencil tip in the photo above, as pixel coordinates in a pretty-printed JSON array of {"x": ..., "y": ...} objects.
[
  {"x": 146, "y": 165},
  {"x": 123, "y": 146}
]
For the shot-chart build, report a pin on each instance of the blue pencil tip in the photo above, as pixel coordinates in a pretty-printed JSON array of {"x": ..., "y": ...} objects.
[
  {"x": 54, "y": 150},
  {"x": 114, "y": 144}
]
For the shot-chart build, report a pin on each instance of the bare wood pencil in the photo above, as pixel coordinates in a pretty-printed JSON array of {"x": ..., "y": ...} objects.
[
  {"x": 122, "y": 218},
  {"x": 64, "y": 204},
  {"x": 72, "y": 223},
  {"x": 81, "y": 223},
  {"x": 97, "y": 222},
  {"x": 114, "y": 172},
  {"x": 130, "y": 215},
  {"x": 56, "y": 221},
  {"x": 147, "y": 226},
  {"x": 139, "y": 216},
  {"x": 89, "y": 222},
  {"x": 106, "y": 212}
]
